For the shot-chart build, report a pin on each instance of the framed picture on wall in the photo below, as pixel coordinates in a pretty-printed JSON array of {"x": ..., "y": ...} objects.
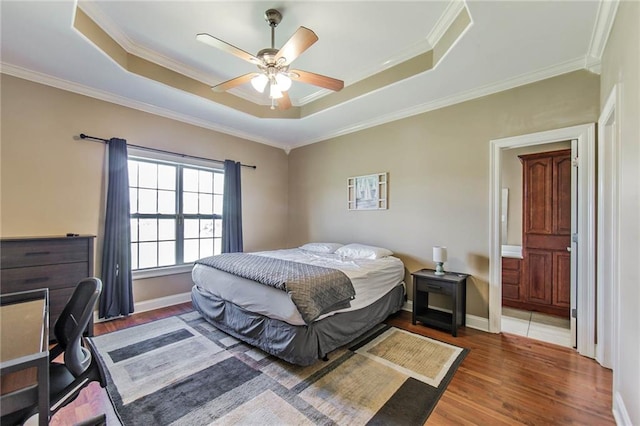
[{"x": 368, "y": 192}]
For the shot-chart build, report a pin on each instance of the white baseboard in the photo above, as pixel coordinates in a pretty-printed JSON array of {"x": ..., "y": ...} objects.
[
  {"x": 478, "y": 323},
  {"x": 150, "y": 305},
  {"x": 472, "y": 321},
  {"x": 620, "y": 413}
]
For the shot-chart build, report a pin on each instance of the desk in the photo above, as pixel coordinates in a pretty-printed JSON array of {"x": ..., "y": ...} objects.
[{"x": 24, "y": 352}]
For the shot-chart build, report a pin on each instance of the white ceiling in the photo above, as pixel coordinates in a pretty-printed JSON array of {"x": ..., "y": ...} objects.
[{"x": 508, "y": 44}]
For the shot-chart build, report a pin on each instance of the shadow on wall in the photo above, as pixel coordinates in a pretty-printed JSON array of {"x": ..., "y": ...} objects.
[
  {"x": 412, "y": 264},
  {"x": 478, "y": 288}
]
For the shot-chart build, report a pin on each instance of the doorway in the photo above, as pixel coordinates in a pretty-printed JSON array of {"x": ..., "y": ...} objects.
[
  {"x": 536, "y": 232},
  {"x": 583, "y": 242}
]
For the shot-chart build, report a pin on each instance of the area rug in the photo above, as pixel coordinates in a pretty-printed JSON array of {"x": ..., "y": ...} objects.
[{"x": 183, "y": 371}]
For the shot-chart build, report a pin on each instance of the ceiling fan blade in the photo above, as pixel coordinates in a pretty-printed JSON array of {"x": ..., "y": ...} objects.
[
  {"x": 317, "y": 80},
  {"x": 300, "y": 41},
  {"x": 284, "y": 102},
  {"x": 234, "y": 82},
  {"x": 226, "y": 47}
]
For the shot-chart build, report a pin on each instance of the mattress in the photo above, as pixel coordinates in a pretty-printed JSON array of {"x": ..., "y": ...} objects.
[{"x": 371, "y": 279}]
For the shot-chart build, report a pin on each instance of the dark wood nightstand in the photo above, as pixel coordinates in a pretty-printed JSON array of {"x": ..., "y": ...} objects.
[{"x": 452, "y": 284}]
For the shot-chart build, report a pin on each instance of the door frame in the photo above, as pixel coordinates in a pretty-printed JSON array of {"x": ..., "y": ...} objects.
[
  {"x": 586, "y": 291},
  {"x": 607, "y": 233}
]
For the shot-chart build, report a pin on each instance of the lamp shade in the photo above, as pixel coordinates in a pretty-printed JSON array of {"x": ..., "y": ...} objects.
[
  {"x": 439, "y": 254},
  {"x": 275, "y": 92},
  {"x": 284, "y": 82},
  {"x": 259, "y": 82}
]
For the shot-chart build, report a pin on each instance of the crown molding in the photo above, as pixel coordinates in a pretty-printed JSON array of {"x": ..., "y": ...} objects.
[
  {"x": 605, "y": 17},
  {"x": 448, "y": 17},
  {"x": 126, "y": 102},
  {"x": 542, "y": 74},
  {"x": 114, "y": 31},
  {"x": 421, "y": 46}
]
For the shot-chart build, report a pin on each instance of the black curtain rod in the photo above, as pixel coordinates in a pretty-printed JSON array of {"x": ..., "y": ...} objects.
[{"x": 83, "y": 136}]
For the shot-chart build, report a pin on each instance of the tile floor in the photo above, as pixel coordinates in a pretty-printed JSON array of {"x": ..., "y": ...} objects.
[{"x": 537, "y": 326}]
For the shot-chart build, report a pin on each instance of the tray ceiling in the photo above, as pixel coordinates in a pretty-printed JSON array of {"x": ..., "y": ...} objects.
[{"x": 151, "y": 60}]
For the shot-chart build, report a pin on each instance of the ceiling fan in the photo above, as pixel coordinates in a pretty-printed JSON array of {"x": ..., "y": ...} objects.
[{"x": 273, "y": 64}]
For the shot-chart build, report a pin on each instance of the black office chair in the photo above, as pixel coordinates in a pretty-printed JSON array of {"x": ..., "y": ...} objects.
[{"x": 81, "y": 364}]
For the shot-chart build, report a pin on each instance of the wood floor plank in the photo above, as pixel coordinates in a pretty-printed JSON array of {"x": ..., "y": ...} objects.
[{"x": 504, "y": 380}]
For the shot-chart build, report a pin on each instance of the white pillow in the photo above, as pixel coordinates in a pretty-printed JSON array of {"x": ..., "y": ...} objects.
[
  {"x": 361, "y": 251},
  {"x": 321, "y": 247}
]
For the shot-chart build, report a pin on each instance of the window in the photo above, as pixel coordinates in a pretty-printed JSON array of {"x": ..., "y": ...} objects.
[{"x": 176, "y": 212}]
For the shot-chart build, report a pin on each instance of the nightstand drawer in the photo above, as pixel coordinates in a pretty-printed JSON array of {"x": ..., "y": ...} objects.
[{"x": 434, "y": 287}]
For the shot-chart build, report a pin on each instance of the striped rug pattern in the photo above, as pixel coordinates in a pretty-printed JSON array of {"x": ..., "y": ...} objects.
[{"x": 183, "y": 371}]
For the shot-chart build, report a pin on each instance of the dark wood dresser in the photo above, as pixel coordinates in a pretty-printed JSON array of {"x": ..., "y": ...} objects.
[{"x": 56, "y": 263}]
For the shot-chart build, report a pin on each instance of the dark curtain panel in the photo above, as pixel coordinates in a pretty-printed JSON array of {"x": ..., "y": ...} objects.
[
  {"x": 117, "y": 294},
  {"x": 232, "y": 209}
]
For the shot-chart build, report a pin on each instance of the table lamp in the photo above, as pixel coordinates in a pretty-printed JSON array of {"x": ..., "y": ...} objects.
[{"x": 439, "y": 257}]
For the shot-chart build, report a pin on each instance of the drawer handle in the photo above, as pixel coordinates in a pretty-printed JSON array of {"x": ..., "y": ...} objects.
[
  {"x": 36, "y": 280},
  {"x": 37, "y": 253},
  {"x": 434, "y": 287}
]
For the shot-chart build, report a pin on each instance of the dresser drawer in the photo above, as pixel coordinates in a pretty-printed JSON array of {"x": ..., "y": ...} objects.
[
  {"x": 431, "y": 286},
  {"x": 17, "y": 254},
  {"x": 65, "y": 275}
]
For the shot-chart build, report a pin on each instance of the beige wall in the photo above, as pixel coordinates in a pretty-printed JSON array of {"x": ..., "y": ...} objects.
[
  {"x": 438, "y": 165},
  {"x": 511, "y": 176},
  {"x": 621, "y": 66},
  {"x": 52, "y": 183}
]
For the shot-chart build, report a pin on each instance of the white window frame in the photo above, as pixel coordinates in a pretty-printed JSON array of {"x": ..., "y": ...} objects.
[{"x": 176, "y": 159}]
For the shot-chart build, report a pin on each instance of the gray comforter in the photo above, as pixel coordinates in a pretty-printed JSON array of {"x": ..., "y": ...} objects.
[{"x": 315, "y": 290}]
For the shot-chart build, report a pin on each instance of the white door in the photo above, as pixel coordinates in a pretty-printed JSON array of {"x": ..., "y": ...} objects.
[{"x": 574, "y": 243}]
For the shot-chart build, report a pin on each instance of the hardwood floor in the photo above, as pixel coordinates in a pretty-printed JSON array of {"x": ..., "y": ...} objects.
[{"x": 504, "y": 380}]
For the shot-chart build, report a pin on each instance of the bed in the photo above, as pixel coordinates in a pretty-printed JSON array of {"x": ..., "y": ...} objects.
[{"x": 267, "y": 317}]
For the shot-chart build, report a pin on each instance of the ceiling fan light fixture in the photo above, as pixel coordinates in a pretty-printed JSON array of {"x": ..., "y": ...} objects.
[
  {"x": 259, "y": 82},
  {"x": 284, "y": 82},
  {"x": 273, "y": 64},
  {"x": 275, "y": 92}
]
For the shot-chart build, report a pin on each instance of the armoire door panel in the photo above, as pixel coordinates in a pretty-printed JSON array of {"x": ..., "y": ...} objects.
[
  {"x": 562, "y": 195},
  {"x": 562, "y": 279},
  {"x": 538, "y": 192},
  {"x": 539, "y": 276}
]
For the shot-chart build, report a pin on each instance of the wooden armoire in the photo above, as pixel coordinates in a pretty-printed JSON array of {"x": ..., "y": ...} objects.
[{"x": 545, "y": 284}]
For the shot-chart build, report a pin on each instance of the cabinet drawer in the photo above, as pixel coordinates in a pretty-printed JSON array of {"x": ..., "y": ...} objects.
[
  {"x": 511, "y": 264},
  {"x": 510, "y": 277},
  {"x": 434, "y": 287},
  {"x": 510, "y": 291},
  {"x": 17, "y": 254},
  {"x": 66, "y": 275}
]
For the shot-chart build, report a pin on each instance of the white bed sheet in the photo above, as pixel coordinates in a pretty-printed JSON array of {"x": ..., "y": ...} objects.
[{"x": 371, "y": 280}]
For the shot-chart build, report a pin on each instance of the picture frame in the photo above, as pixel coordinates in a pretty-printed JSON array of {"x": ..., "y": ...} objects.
[{"x": 367, "y": 192}]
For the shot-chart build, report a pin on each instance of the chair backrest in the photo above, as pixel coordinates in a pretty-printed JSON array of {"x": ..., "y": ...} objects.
[{"x": 74, "y": 320}]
